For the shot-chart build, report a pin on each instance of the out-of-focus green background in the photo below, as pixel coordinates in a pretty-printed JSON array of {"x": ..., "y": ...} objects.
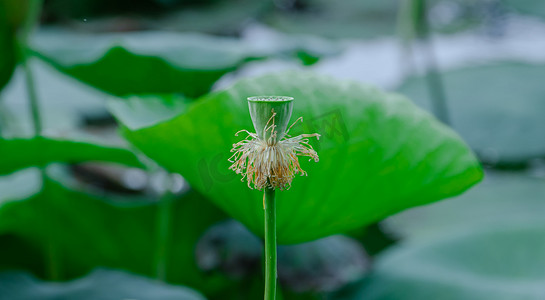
[{"x": 122, "y": 190}]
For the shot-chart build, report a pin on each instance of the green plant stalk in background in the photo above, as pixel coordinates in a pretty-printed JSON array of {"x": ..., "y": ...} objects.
[
  {"x": 413, "y": 25},
  {"x": 434, "y": 77},
  {"x": 269, "y": 205},
  {"x": 2, "y": 116},
  {"x": 31, "y": 21},
  {"x": 163, "y": 226},
  {"x": 406, "y": 34},
  {"x": 162, "y": 230},
  {"x": 32, "y": 96}
]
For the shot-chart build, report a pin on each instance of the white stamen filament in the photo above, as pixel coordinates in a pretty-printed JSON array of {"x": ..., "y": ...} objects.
[{"x": 271, "y": 163}]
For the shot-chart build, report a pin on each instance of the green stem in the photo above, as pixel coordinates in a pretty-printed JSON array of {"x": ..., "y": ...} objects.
[
  {"x": 406, "y": 34},
  {"x": 413, "y": 24},
  {"x": 3, "y": 116},
  {"x": 32, "y": 19},
  {"x": 270, "y": 243},
  {"x": 53, "y": 261},
  {"x": 435, "y": 84},
  {"x": 32, "y": 96},
  {"x": 163, "y": 226},
  {"x": 433, "y": 75}
]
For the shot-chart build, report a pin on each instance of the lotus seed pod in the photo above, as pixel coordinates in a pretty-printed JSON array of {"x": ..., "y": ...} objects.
[
  {"x": 270, "y": 116},
  {"x": 269, "y": 158}
]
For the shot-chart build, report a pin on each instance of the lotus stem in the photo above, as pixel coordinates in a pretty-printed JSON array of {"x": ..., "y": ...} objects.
[
  {"x": 32, "y": 97},
  {"x": 270, "y": 244},
  {"x": 164, "y": 212},
  {"x": 268, "y": 160},
  {"x": 32, "y": 19}
]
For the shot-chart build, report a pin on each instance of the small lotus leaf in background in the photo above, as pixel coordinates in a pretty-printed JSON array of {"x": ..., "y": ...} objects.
[
  {"x": 344, "y": 19},
  {"x": 530, "y": 7},
  {"x": 379, "y": 154},
  {"x": 162, "y": 62},
  {"x": 485, "y": 244},
  {"x": 100, "y": 284},
  {"x": 144, "y": 62},
  {"x": 39, "y": 151},
  {"x": 502, "y": 262},
  {"x": 502, "y": 197},
  {"x": 85, "y": 232},
  {"x": 497, "y": 108},
  {"x": 229, "y": 17},
  {"x": 322, "y": 265},
  {"x": 230, "y": 248}
]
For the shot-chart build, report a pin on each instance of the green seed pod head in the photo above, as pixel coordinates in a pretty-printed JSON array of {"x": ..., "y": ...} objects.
[{"x": 262, "y": 109}]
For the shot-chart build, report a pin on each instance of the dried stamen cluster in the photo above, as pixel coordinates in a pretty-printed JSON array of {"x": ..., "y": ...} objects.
[{"x": 268, "y": 162}]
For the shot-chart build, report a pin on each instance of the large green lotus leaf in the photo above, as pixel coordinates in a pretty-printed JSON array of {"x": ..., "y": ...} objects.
[
  {"x": 143, "y": 63},
  {"x": 502, "y": 197},
  {"x": 83, "y": 231},
  {"x": 503, "y": 262},
  {"x": 496, "y": 108},
  {"x": 100, "y": 284},
  {"x": 379, "y": 154},
  {"x": 39, "y": 151}
]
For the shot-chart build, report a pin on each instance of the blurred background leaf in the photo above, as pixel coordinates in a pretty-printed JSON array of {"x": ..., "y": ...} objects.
[
  {"x": 40, "y": 151},
  {"x": 229, "y": 17},
  {"x": 100, "y": 284},
  {"x": 86, "y": 232},
  {"x": 351, "y": 18},
  {"x": 161, "y": 62},
  {"x": 304, "y": 269},
  {"x": 508, "y": 197},
  {"x": 143, "y": 63},
  {"x": 501, "y": 262},
  {"x": 497, "y": 108},
  {"x": 531, "y": 7}
]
